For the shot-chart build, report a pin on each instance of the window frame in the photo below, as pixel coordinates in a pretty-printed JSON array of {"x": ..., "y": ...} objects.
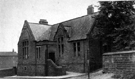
[
  {"x": 25, "y": 48},
  {"x": 77, "y": 48},
  {"x": 25, "y": 68},
  {"x": 60, "y": 42},
  {"x": 74, "y": 48},
  {"x": 38, "y": 52}
]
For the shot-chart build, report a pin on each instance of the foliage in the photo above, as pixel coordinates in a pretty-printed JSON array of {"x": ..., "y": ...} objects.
[{"x": 114, "y": 22}]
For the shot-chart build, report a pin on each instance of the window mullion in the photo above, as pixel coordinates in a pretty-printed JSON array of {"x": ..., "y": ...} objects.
[
  {"x": 25, "y": 49},
  {"x": 26, "y": 52},
  {"x": 38, "y": 53},
  {"x": 23, "y": 52},
  {"x": 60, "y": 47},
  {"x": 76, "y": 49}
]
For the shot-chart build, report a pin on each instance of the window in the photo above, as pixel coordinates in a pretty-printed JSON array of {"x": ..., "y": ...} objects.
[
  {"x": 88, "y": 54},
  {"x": 61, "y": 45},
  {"x": 58, "y": 40},
  {"x": 61, "y": 39},
  {"x": 38, "y": 52},
  {"x": 76, "y": 48},
  {"x": 62, "y": 48},
  {"x": 25, "y": 68},
  {"x": 59, "y": 48},
  {"x": 25, "y": 49}
]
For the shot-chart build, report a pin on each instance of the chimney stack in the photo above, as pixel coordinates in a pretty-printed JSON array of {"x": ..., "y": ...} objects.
[
  {"x": 13, "y": 50},
  {"x": 90, "y": 10},
  {"x": 43, "y": 21}
]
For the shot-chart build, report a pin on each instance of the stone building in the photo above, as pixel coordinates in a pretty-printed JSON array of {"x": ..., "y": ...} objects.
[
  {"x": 68, "y": 43},
  {"x": 8, "y": 59}
]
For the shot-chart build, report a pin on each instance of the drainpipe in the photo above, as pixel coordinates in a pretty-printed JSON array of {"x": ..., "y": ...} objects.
[
  {"x": 88, "y": 57},
  {"x": 84, "y": 56},
  {"x": 46, "y": 62},
  {"x": 35, "y": 60}
]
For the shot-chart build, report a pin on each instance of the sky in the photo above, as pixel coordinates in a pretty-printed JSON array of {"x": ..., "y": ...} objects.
[{"x": 14, "y": 12}]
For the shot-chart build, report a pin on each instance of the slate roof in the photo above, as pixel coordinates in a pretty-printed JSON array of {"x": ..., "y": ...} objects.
[
  {"x": 41, "y": 32},
  {"x": 8, "y": 54},
  {"x": 53, "y": 31},
  {"x": 78, "y": 28}
]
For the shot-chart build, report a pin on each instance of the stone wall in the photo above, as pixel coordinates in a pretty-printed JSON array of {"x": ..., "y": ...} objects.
[
  {"x": 26, "y": 35},
  {"x": 26, "y": 70},
  {"x": 7, "y": 72},
  {"x": 40, "y": 70},
  {"x": 26, "y": 66},
  {"x": 40, "y": 62},
  {"x": 8, "y": 61},
  {"x": 54, "y": 70},
  {"x": 74, "y": 63},
  {"x": 119, "y": 62},
  {"x": 78, "y": 63}
]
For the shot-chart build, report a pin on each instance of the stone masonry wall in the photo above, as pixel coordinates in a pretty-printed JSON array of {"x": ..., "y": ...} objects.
[
  {"x": 54, "y": 70},
  {"x": 8, "y": 61},
  {"x": 26, "y": 70},
  {"x": 7, "y": 72},
  {"x": 78, "y": 63},
  {"x": 26, "y": 66},
  {"x": 95, "y": 54},
  {"x": 121, "y": 62}
]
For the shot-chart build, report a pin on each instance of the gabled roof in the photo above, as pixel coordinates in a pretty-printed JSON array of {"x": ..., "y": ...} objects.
[
  {"x": 8, "y": 54},
  {"x": 78, "y": 28},
  {"x": 40, "y": 32},
  {"x": 53, "y": 31}
]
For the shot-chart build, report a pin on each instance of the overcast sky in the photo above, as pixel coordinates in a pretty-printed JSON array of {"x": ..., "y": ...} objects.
[{"x": 14, "y": 12}]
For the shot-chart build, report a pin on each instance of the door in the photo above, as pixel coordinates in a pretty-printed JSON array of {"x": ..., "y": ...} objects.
[{"x": 52, "y": 56}]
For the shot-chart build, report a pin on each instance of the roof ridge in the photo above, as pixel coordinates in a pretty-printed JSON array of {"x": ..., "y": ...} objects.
[
  {"x": 70, "y": 19},
  {"x": 38, "y": 23},
  {"x": 75, "y": 18}
]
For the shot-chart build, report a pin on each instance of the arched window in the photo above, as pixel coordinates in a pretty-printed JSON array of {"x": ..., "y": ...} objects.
[
  {"x": 25, "y": 47},
  {"x": 38, "y": 52},
  {"x": 76, "y": 48},
  {"x": 60, "y": 45}
]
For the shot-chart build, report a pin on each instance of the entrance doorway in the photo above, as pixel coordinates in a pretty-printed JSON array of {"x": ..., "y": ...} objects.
[{"x": 52, "y": 56}]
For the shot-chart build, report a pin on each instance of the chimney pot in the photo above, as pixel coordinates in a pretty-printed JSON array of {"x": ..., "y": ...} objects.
[
  {"x": 43, "y": 21},
  {"x": 90, "y": 10}
]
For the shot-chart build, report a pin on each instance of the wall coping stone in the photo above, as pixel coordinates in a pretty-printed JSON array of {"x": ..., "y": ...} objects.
[{"x": 120, "y": 52}]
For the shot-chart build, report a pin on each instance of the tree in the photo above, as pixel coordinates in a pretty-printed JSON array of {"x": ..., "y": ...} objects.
[{"x": 115, "y": 23}]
